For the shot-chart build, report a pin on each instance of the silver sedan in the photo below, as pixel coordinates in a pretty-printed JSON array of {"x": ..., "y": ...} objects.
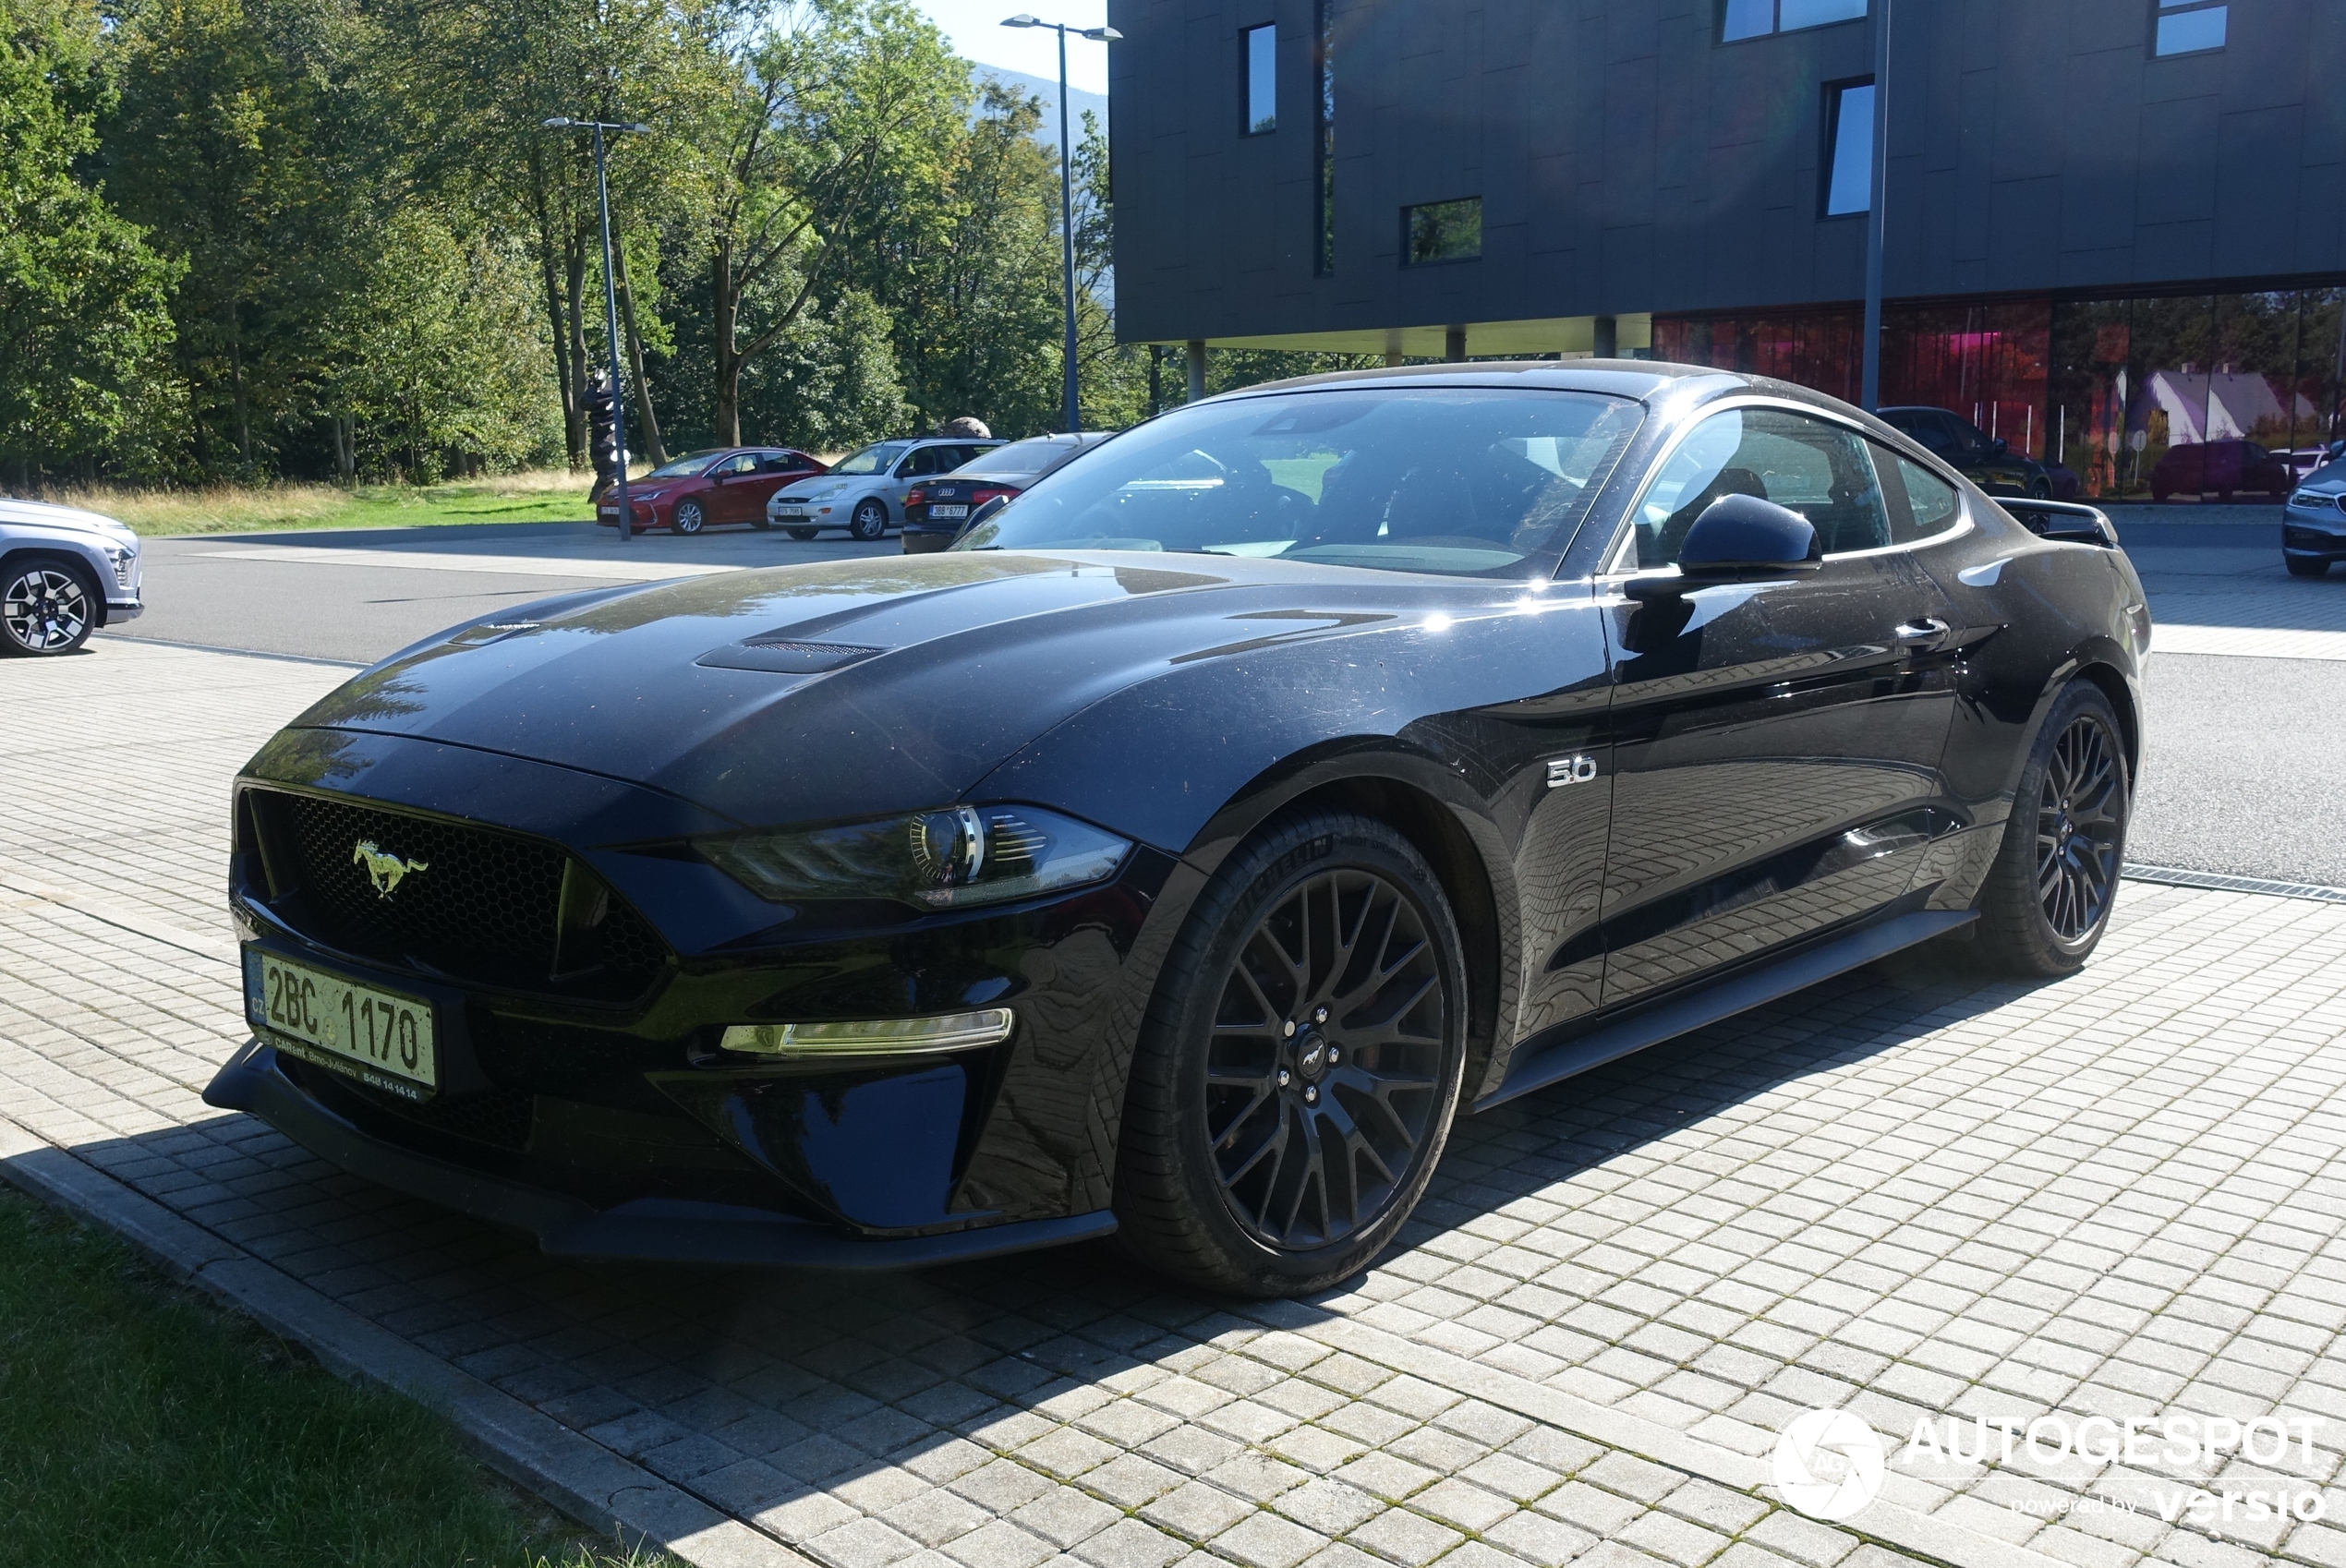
[
  {"x": 864, "y": 493},
  {"x": 64, "y": 572}
]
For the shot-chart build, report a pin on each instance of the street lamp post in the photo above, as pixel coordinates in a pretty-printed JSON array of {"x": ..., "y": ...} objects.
[
  {"x": 610, "y": 308},
  {"x": 1877, "y": 233},
  {"x": 1075, "y": 414}
]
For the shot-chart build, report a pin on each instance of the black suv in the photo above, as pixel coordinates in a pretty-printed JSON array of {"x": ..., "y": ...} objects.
[{"x": 1988, "y": 462}]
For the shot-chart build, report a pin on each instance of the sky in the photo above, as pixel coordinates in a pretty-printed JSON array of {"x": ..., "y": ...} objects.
[{"x": 976, "y": 28}]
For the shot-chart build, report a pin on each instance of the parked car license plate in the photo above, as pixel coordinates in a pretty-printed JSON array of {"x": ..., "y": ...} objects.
[
  {"x": 790, "y": 514},
  {"x": 948, "y": 512},
  {"x": 381, "y": 1036}
]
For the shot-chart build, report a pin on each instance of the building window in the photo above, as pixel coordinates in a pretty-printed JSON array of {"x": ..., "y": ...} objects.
[
  {"x": 1848, "y": 147},
  {"x": 1442, "y": 230},
  {"x": 1756, "y": 18},
  {"x": 1323, "y": 139},
  {"x": 2188, "y": 26},
  {"x": 1258, "y": 62}
]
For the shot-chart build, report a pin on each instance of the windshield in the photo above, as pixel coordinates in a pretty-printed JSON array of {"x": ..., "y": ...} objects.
[
  {"x": 872, "y": 459},
  {"x": 690, "y": 463},
  {"x": 1458, "y": 480}
]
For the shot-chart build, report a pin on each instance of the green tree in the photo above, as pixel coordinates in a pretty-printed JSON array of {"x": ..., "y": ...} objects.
[{"x": 84, "y": 327}]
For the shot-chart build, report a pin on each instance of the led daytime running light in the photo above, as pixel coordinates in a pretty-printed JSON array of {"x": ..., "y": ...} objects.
[{"x": 873, "y": 1037}]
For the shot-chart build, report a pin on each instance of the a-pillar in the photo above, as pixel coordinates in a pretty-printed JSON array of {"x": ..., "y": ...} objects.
[{"x": 1197, "y": 368}]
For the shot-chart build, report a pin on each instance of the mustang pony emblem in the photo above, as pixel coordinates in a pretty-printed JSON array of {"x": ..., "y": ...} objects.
[{"x": 384, "y": 871}]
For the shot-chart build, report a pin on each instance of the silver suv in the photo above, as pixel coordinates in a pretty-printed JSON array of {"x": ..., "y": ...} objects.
[
  {"x": 864, "y": 493},
  {"x": 64, "y": 572}
]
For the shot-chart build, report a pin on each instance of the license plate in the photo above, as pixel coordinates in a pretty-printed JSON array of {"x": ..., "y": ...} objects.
[
  {"x": 380, "y": 1036},
  {"x": 948, "y": 512},
  {"x": 791, "y": 515}
]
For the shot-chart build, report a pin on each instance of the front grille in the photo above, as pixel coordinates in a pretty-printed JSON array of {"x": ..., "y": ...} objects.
[
  {"x": 2311, "y": 539},
  {"x": 469, "y": 902}
]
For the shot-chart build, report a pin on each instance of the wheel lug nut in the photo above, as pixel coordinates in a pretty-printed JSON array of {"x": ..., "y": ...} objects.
[
  {"x": 1286, "y": 1029},
  {"x": 1285, "y": 1077},
  {"x": 1311, "y": 1096},
  {"x": 1335, "y": 1056},
  {"x": 1319, "y": 1015}
]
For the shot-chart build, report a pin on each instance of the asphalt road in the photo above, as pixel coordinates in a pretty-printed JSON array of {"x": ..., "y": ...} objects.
[{"x": 2245, "y": 758}]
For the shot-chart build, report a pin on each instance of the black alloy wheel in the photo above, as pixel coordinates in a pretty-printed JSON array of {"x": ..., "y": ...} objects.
[
  {"x": 2078, "y": 825},
  {"x": 689, "y": 517},
  {"x": 46, "y": 607},
  {"x": 1299, "y": 1068},
  {"x": 870, "y": 520},
  {"x": 2047, "y": 896},
  {"x": 1325, "y": 1060},
  {"x": 2040, "y": 489}
]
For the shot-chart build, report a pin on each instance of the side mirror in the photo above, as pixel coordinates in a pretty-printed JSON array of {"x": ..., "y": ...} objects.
[
  {"x": 1737, "y": 539},
  {"x": 983, "y": 514}
]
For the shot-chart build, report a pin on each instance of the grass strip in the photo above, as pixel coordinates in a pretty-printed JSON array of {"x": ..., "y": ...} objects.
[
  {"x": 549, "y": 495},
  {"x": 142, "y": 1423}
]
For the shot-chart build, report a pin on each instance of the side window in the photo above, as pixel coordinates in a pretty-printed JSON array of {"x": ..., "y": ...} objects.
[
  {"x": 919, "y": 460},
  {"x": 778, "y": 462},
  {"x": 1817, "y": 470},
  {"x": 1931, "y": 506},
  {"x": 743, "y": 463}
]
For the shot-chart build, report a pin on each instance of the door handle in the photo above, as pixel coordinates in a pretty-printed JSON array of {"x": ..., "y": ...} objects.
[{"x": 1926, "y": 636}]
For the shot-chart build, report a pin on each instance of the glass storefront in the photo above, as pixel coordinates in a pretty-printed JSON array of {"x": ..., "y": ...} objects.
[
  {"x": 1986, "y": 362},
  {"x": 2196, "y": 395},
  {"x": 2170, "y": 398}
]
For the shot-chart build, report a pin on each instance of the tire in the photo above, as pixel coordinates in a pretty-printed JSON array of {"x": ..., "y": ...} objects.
[
  {"x": 2306, "y": 566},
  {"x": 2047, "y": 899},
  {"x": 2040, "y": 489},
  {"x": 802, "y": 533},
  {"x": 870, "y": 520},
  {"x": 689, "y": 518},
  {"x": 49, "y": 604},
  {"x": 1259, "y": 1210}
]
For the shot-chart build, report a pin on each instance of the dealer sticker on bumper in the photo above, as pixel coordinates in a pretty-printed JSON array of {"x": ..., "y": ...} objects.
[{"x": 384, "y": 1038}]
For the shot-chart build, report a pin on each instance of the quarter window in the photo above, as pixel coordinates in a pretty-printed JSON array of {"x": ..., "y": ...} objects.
[
  {"x": 1258, "y": 62},
  {"x": 1758, "y": 18},
  {"x": 2188, "y": 26},
  {"x": 1931, "y": 504},
  {"x": 1820, "y": 471},
  {"x": 1848, "y": 147},
  {"x": 1442, "y": 230}
]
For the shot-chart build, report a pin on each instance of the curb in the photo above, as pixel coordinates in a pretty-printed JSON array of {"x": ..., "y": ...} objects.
[{"x": 534, "y": 1451}]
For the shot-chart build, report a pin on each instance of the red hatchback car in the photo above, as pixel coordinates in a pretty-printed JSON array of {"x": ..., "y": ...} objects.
[
  {"x": 700, "y": 490},
  {"x": 2224, "y": 466}
]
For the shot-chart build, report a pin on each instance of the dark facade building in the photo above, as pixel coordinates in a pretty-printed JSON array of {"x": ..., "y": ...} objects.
[{"x": 2115, "y": 228}]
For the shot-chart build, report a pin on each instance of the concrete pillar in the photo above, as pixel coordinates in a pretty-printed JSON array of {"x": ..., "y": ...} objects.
[
  {"x": 1197, "y": 368},
  {"x": 1453, "y": 344},
  {"x": 1608, "y": 341},
  {"x": 1391, "y": 346}
]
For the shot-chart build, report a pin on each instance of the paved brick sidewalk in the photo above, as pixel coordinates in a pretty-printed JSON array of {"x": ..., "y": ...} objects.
[{"x": 1906, "y": 1192}]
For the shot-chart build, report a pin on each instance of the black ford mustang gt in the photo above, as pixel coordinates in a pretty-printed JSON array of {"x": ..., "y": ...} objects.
[{"x": 1176, "y": 855}]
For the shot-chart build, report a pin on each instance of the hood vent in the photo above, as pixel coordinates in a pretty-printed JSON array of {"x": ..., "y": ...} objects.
[{"x": 783, "y": 655}]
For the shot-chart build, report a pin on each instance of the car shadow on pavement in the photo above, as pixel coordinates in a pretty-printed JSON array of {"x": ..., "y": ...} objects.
[{"x": 807, "y": 1403}]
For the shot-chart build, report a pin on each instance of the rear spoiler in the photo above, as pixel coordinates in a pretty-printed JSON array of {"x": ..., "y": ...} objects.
[{"x": 2061, "y": 520}]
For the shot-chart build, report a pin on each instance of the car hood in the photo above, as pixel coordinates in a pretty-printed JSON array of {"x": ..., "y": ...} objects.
[
  {"x": 711, "y": 690},
  {"x": 41, "y": 514}
]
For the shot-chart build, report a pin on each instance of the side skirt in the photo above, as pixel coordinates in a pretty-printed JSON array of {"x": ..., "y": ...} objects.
[{"x": 1553, "y": 1064}]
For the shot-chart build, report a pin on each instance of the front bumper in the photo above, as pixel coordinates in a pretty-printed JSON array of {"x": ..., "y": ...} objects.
[
  {"x": 645, "y": 1230},
  {"x": 561, "y": 1098},
  {"x": 124, "y": 610},
  {"x": 2313, "y": 537}
]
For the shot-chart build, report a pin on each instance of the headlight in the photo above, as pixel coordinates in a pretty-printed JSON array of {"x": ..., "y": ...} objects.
[
  {"x": 123, "y": 559},
  {"x": 950, "y": 858}
]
